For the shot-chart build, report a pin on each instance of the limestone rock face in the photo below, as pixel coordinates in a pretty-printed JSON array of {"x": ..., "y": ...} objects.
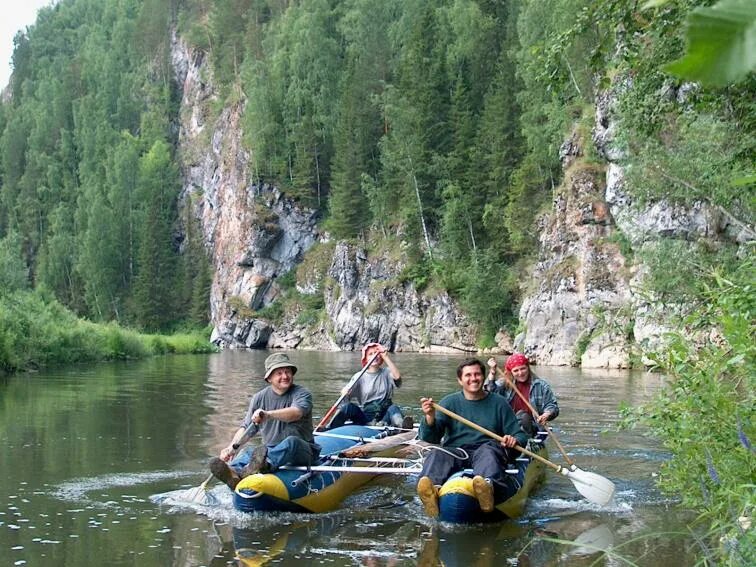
[
  {"x": 589, "y": 305},
  {"x": 254, "y": 235},
  {"x": 580, "y": 278},
  {"x": 365, "y": 302},
  {"x": 252, "y": 232}
]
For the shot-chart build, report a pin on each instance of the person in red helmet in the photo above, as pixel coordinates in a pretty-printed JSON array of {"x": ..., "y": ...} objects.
[
  {"x": 372, "y": 392},
  {"x": 534, "y": 389}
]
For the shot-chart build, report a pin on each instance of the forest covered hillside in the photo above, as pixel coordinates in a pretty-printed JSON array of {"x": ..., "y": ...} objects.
[
  {"x": 431, "y": 126},
  {"x": 547, "y": 175}
]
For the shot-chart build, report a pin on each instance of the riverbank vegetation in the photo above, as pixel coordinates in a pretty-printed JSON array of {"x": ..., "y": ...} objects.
[
  {"x": 706, "y": 415},
  {"x": 36, "y": 331},
  {"x": 435, "y": 123}
]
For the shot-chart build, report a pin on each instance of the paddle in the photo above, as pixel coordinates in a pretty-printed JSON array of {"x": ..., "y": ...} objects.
[
  {"x": 511, "y": 384},
  {"x": 573, "y": 467},
  {"x": 593, "y": 487},
  {"x": 347, "y": 391},
  {"x": 198, "y": 494}
]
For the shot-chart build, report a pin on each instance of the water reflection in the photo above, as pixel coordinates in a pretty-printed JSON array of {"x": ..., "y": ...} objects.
[
  {"x": 506, "y": 545},
  {"x": 87, "y": 447},
  {"x": 255, "y": 548},
  {"x": 344, "y": 539},
  {"x": 297, "y": 538}
]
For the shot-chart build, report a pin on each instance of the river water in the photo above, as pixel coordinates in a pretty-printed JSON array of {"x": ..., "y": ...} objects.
[{"x": 90, "y": 453}]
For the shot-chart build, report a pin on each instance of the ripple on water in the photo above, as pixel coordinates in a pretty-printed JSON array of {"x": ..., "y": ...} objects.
[{"x": 77, "y": 490}]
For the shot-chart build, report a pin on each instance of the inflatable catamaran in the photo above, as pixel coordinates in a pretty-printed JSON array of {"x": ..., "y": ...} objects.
[
  {"x": 322, "y": 487},
  {"x": 458, "y": 504}
]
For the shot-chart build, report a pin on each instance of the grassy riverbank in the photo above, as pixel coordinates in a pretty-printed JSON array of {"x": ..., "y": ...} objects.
[{"x": 36, "y": 331}]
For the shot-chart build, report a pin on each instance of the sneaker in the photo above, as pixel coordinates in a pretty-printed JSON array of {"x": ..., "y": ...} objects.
[
  {"x": 224, "y": 473},
  {"x": 408, "y": 422},
  {"x": 428, "y": 494},
  {"x": 484, "y": 493},
  {"x": 258, "y": 462}
]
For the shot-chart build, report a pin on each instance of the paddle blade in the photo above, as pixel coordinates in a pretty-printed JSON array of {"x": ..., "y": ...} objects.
[
  {"x": 594, "y": 487},
  {"x": 598, "y": 538},
  {"x": 198, "y": 494}
]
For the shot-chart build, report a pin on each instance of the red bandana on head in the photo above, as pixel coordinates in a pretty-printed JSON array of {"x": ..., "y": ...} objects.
[{"x": 516, "y": 360}]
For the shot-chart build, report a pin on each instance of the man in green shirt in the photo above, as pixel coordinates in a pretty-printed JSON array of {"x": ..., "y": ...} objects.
[{"x": 463, "y": 447}]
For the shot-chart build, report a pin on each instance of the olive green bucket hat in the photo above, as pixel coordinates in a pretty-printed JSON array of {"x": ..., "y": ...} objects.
[{"x": 278, "y": 360}]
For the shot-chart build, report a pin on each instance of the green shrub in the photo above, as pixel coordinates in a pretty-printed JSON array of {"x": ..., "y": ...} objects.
[
  {"x": 273, "y": 312},
  {"x": 683, "y": 282},
  {"x": 418, "y": 274},
  {"x": 37, "y": 331},
  {"x": 706, "y": 415}
]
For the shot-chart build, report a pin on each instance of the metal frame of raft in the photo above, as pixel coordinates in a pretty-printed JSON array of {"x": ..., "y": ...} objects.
[{"x": 321, "y": 487}]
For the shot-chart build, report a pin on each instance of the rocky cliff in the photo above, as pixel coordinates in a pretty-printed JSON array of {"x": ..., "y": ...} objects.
[
  {"x": 590, "y": 304},
  {"x": 255, "y": 235},
  {"x": 586, "y": 302},
  {"x": 574, "y": 312}
]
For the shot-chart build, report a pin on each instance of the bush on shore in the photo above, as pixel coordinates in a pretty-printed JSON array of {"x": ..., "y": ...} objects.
[
  {"x": 706, "y": 415},
  {"x": 37, "y": 331}
]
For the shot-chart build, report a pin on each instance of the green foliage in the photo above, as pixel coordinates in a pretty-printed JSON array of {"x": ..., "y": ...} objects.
[
  {"x": 36, "y": 331},
  {"x": 695, "y": 160},
  {"x": 419, "y": 274},
  {"x": 13, "y": 272},
  {"x": 706, "y": 414},
  {"x": 288, "y": 280},
  {"x": 489, "y": 292},
  {"x": 682, "y": 283},
  {"x": 273, "y": 312},
  {"x": 581, "y": 346},
  {"x": 720, "y": 44},
  {"x": 153, "y": 285},
  {"x": 312, "y": 313}
]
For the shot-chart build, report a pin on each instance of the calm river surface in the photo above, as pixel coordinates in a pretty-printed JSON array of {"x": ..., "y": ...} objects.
[{"x": 89, "y": 451}]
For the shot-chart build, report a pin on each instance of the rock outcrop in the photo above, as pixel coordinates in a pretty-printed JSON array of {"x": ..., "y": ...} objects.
[
  {"x": 254, "y": 235},
  {"x": 591, "y": 305},
  {"x": 574, "y": 314}
]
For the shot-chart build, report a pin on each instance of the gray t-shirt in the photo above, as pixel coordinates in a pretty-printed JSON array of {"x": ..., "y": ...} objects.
[
  {"x": 274, "y": 431},
  {"x": 374, "y": 386}
]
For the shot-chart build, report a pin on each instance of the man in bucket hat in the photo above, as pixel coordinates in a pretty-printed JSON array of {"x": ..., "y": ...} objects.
[
  {"x": 373, "y": 389},
  {"x": 282, "y": 412}
]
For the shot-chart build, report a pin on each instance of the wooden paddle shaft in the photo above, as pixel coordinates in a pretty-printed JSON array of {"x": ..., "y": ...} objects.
[
  {"x": 335, "y": 406},
  {"x": 493, "y": 435},
  {"x": 535, "y": 414}
]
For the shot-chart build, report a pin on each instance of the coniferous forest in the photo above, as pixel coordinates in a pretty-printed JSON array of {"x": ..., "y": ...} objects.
[{"x": 434, "y": 122}]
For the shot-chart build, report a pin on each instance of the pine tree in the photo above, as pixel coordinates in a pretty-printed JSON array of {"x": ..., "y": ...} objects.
[{"x": 153, "y": 297}]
